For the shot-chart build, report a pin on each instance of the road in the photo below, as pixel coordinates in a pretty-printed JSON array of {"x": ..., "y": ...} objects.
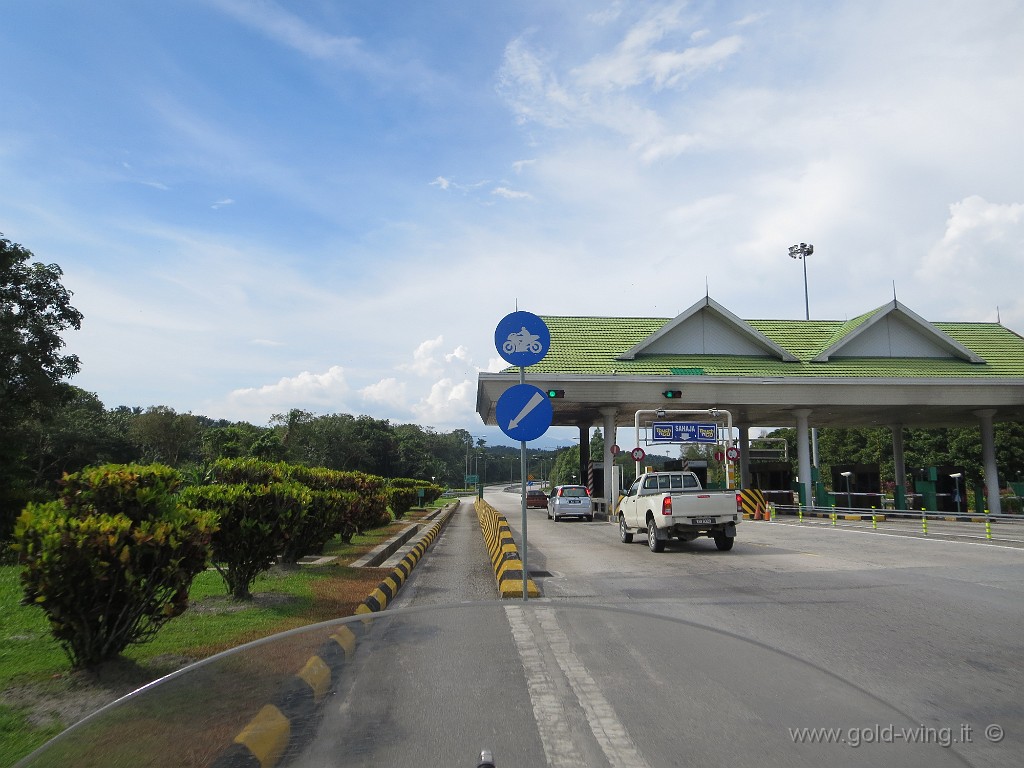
[{"x": 798, "y": 626}]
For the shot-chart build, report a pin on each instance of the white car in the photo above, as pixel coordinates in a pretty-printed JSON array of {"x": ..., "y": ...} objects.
[{"x": 570, "y": 501}]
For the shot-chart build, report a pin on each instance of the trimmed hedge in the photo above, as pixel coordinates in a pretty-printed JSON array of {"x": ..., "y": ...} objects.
[{"x": 112, "y": 559}]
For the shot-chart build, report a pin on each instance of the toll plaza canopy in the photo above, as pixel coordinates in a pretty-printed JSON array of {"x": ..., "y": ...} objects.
[{"x": 887, "y": 367}]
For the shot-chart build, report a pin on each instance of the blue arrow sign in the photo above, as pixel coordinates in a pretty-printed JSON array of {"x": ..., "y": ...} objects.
[
  {"x": 522, "y": 338},
  {"x": 524, "y": 412},
  {"x": 683, "y": 432}
]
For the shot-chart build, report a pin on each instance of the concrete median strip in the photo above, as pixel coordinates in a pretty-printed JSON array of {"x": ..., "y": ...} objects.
[
  {"x": 286, "y": 720},
  {"x": 505, "y": 558}
]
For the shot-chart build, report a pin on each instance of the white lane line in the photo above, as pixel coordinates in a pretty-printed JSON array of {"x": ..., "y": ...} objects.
[
  {"x": 548, "y": 711},
  {"x": 611, "y": 736}
]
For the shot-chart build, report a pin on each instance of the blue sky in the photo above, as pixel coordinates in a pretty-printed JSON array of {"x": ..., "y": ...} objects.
[{"x": 330, "y": 205}]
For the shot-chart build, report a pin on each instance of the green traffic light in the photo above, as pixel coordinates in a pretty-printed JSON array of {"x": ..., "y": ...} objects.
[
  {"x": 556, "y": 393},
  {"x": 673, "y": 394}
]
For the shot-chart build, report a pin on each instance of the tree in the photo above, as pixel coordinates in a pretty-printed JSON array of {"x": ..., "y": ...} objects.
[{"x": 34, "y": 310}]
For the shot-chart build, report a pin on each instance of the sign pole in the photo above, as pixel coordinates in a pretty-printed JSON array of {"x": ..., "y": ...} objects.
[
  {"x": 523, "y": 412},
  {"x": 522, "y": 487}
]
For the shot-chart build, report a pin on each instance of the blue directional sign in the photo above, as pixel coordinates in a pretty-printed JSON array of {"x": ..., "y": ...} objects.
[
  {"x": 522, "y": 338},
  {"x": 683, "y": 432},
  {"x": 524, "y": 412}
]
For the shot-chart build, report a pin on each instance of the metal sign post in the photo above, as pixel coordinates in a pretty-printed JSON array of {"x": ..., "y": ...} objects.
[{"x": 524, "y": 412}]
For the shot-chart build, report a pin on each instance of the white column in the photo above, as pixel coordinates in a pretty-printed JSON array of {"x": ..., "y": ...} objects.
[
  {"x": 803, "y": 454},
  {"x": 611, "y": 493},
  {"x": 988, "y": 459}
]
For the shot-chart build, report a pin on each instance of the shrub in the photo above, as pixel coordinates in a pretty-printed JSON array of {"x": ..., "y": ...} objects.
[
  {"x": 113, "y": 559},
  {"x": 402, "y": 494},
  {"x": 368, "y": 506},
  {"x": 255, "y": 525}
]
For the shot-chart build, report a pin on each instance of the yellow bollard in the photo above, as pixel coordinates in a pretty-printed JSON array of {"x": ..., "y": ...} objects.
[
  {"x": 924, "y": 521},
  {"x": 833, "y": 515},
  {"x": 874, "y": 521},
  {"x": 988, "y": 527},
  {"x": 800, "y": 514}
]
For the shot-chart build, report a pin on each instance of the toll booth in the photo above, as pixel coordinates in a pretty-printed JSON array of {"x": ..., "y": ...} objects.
[
  {"x": 770, "y": 470},
  {"x": 936, "y": 491},
  {"x": 699, "y": 467},
  {"x": 865, "y": 486},
  {"x": 774, "y": 479}
]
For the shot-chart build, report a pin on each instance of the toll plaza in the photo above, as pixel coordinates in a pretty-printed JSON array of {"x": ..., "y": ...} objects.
[{"x": 888, "y": 367}]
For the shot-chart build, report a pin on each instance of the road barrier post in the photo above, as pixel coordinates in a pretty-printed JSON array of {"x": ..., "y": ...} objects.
[
  {"x": 924, "y": 521},
  {"x": 988, "y": 527},
  {"x": 874, "y": 521}
]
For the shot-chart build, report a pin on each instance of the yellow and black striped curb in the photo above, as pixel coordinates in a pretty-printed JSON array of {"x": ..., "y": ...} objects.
[
  {"x": 283, "y": 723},
  {"x": 879, "y": 518},
  {"x": 385, "y": 592},
  {"x": 288, "y": 717},
  {"x": 508, "y": 565}
]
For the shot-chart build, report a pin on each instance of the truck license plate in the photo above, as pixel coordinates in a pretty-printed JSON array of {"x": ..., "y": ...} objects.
[{"x": 704, "y": 520}]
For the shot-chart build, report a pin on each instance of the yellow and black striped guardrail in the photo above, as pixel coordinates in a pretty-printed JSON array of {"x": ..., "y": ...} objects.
[
  {"x": 508, "y": 565},
  {"x": 285, "y": 720}
]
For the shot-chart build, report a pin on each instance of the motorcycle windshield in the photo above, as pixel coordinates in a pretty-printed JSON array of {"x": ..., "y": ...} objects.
[{"x": 533, "y": 683}]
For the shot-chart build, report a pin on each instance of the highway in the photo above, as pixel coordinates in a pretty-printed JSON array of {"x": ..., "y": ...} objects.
[{"x": 909, "y": 647}]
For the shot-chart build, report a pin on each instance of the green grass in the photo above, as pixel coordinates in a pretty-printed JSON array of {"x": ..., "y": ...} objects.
[{"x": 30, "y": 657}]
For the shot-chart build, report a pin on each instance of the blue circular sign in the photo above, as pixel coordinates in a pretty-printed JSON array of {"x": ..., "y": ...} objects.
[
  {"x": 522, "y": 338},
  {"x": 524, "y": 412}
]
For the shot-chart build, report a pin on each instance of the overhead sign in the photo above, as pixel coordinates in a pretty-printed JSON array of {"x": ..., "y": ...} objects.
[
  {"x": 683, "y": 432},
  {"x": 524, "y": 412},
  {"x": 522, "y": 338}
]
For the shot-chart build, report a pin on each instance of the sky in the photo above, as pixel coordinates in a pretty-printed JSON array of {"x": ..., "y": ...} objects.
[{"x": 330, "y": 204}]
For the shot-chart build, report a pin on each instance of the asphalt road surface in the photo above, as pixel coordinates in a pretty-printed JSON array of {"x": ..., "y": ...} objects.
[{"x": 909, "y": 650}]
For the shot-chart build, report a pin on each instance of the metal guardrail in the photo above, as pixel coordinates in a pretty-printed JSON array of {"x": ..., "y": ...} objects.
[{"x": 1005, "y": 523}]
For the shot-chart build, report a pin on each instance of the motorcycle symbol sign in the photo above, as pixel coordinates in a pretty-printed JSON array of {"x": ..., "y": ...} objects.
[
  {"x": 522, "y": 338},
  {"x": 524, "y": 341}
]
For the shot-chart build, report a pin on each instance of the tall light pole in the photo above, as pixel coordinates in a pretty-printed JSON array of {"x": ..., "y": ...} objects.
[{"x": 802, "y": 251}]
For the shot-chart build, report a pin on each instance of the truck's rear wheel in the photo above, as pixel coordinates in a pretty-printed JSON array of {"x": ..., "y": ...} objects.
[
  {"x": 723, "y": 542},
  {"x": 656, "y": 544},
  {"x": 624, "y": 535}
]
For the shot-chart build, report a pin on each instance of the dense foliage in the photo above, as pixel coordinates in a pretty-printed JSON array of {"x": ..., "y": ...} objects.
[
  {"x": 112, "y": 559},
  {"x": 35, "y": 309}
]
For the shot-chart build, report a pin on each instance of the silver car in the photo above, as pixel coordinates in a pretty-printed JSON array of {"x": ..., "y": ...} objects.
[{"x": 570, "y": 501}]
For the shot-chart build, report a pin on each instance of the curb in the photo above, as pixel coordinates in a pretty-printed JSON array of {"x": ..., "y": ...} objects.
[
  {"x": 281, "y": 723},
  {"x": 508, "y": 565},
  {"x": 385, "y": 592}
]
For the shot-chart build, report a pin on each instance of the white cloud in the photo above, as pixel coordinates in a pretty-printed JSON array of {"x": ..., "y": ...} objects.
[
  {"x": 221, "y": 203},
  {"x": 305, "y": 390},
  {"x": 290, "y": 30},
  {"x": 511, "y": 194},
  {"x": 389, "y": 391}
]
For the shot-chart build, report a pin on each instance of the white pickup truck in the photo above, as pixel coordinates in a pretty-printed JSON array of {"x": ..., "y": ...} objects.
[{"x": 673, "y": 504}]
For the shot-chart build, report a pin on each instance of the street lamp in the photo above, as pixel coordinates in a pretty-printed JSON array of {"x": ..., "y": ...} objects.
[
  {"x": 956, "y": 493},
  {"x": 801, "y": 252},
  {"x": 849, "y": 503}
]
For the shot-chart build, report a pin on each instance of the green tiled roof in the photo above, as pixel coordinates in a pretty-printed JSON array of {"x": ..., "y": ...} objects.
[{"x": 591, "y": 345}]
